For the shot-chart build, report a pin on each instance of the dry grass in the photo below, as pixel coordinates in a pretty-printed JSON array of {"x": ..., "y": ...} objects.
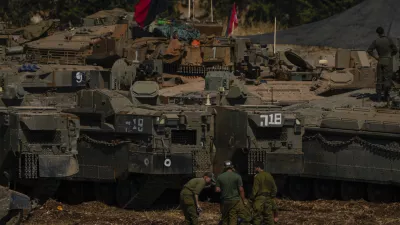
[
  {"x": 254, "y": 28},
  {"x": 291, "y": 212}
]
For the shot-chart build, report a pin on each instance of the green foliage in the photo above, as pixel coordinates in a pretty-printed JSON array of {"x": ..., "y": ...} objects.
[
  {"x": 288, "y": 12},
  {"x": 20, "y": 11}
]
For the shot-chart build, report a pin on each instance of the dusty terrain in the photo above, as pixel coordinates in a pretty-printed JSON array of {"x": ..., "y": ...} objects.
[{"x": 316, "y": 212}]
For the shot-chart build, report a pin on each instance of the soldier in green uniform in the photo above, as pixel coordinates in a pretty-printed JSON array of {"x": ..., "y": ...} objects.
[
  {"x": 233, "y": 202},
  {"x": 264, "y": 192},
  {"x": 386, "y": 50},
  {"x": 189, "y": 197}
]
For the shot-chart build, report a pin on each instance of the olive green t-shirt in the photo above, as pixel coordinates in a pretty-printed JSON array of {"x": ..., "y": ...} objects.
[
  {"x": 195, "y": 186},
  {"x": 264, "y": 183},
  {"x": 229, "y": 182}
]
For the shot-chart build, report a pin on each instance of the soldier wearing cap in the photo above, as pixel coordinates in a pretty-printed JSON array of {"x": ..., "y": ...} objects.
[
  {"x": 233, "y": 201},
  {"x": 263, "y": 194},
  {"x": 386, "y": 50},
  {"x": 189, "y": 197}
]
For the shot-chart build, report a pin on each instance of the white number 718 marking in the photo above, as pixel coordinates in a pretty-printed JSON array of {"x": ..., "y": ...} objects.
[{"x": 271, "y": 119}]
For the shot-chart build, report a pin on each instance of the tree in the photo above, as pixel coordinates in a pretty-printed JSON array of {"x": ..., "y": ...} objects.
[{"x": 289, "y": 12}]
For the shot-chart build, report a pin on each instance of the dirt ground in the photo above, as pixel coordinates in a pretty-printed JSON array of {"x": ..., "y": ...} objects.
[{"x": 291, "y": 212}]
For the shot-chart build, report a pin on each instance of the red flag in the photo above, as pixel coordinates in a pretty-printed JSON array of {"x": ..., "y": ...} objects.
[
  {"x": 141, "y": 10},
  {"x": 146, "y": 11},
  {"x": 233, "y": 20}
]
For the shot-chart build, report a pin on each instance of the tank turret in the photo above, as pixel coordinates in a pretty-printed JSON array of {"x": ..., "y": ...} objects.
[
  {"x": 352, "y": 71},
  {"x": 105, "y": 17}
]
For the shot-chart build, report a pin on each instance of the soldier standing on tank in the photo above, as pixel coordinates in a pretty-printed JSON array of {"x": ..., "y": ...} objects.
[
  {"x": 189, "y": 197},
  {"x": 263, "y": 194},
  {"x": 233, "y": 202},
  {"x": 386, "y": 50}
]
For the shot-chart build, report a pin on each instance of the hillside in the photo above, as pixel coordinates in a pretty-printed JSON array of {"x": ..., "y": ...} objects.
[
  {"x": 353, "y": 28},
  {"x": 253, "y": 13}
]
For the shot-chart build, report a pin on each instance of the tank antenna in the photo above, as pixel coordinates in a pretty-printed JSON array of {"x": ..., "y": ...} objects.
[
  {"x": 275, "y": 37},
  {"x": 272, "y": 95},
  {"x": 189, "y": 9},
  {"x": 212, "y": 14},
  {"x": 208, "y": 103},
  {"x": 136, "y": 56}
]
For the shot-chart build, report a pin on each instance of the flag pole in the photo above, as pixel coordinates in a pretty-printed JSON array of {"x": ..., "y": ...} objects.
[
  {"x": 193, "y": 11},
  {"x": 275, "y": 37},
  {"x": 189, "y": 10},
  {"x": 233, "y": 27},
  {"x": 212, "y": 16}
]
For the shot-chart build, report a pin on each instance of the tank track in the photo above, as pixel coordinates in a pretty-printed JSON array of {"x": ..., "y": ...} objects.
[
  {"x": 304, "y": 187},
  {"x": 151, "y": 189}
]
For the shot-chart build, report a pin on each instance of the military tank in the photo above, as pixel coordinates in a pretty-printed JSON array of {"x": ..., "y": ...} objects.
[
  {"x": 157, "y": 147},
  {"x": 40, "y": 141},
  {"x": 112, "y": 146},
  {"x": 350, "y": 148},
  {"x": 106, "y": 17},
  {"x": 12, "y": 39},
  {"x": 127, "y": 142},
  {"x": 79, "y": 46},
  {"x": 257, "y": 131}
]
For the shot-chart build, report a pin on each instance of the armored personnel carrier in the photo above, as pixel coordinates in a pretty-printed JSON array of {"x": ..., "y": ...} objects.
[
  {"x": 132, "y": 145},
  {"x": 54, "y": 130},
  {"x": 72, "y": 128},
  {"x": 350, "y": 148},
  {"x": 39, "y": 141},
  {"x": 79, "y": 46},
  {"x": 257, "y": 131},
  {"x": 155, "y": 147},
  {"x": 13, "y": 39}
]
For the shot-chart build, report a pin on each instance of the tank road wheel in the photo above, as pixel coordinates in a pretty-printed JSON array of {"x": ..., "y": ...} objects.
[
  {"x": 324, "y": 189},
  {"x": 104, "y": 192},
  {"x": 299, "y": 188},
  {"x": 126, "y": 191},
  {"x": 380, "y": 193},
  {"x": 352, "y": 190}
]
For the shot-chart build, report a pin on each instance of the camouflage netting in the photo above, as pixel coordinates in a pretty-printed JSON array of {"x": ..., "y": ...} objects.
[
  {"x": 354, "y": 28},
  {"x": 185, "y": 32}
]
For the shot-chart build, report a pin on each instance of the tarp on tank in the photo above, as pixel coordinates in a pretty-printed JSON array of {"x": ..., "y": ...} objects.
[
  {"x": 184, "y": 31},
  {"x": 354, "y": 28}
]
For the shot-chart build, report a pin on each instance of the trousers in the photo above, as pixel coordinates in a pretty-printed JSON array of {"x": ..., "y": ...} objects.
[
  {"x": 189, "y": 209},
  {"x": 263, "y": 210},
  {"x": 232, "y": 210}
]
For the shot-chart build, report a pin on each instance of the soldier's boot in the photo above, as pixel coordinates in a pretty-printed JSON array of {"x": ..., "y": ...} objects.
[
  {"x": 387, "y": 93},
  {"x": 378, "y": 95}
]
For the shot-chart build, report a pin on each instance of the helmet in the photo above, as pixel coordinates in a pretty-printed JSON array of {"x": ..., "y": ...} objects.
[
  {"x": 228, "y": 164},
  {"x": 211, "y": 176}
]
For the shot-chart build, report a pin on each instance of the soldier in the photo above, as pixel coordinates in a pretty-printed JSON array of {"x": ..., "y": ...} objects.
[
  {"x": 233, "y": 204},
  {"x": 189, "y": 198},
  {"x": 386, "y": 50},
  {"x": 264, "y": 192}
]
